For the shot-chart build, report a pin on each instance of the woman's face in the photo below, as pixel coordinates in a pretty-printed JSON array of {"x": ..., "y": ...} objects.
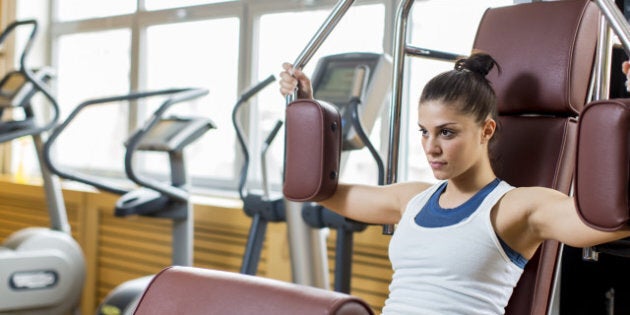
[{"x": 454, "y": 143}]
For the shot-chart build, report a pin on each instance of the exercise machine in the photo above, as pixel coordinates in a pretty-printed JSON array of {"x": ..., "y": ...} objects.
[
  {"x": 154, "y": 198},
  {"x": 356, "y": 83},
  {"x": 42, "y": 269}
]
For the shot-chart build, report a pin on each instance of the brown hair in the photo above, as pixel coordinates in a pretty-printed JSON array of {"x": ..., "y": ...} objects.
[{"x": 466, "y": 87}]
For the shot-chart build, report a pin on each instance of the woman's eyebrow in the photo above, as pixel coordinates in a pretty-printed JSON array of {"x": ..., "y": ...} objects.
[{"x": 439, "y": 126}]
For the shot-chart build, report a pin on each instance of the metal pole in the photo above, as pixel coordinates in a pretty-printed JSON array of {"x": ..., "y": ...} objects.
[
  {"x": 308, "y": 246},
  {"x": 183, "y": 228},
  {"x": 400, "y": 38},
  {"x": 52, "y": 189}
]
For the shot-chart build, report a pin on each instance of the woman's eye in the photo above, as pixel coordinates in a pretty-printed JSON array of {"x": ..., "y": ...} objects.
[
  {"x": 423, "y": 132},
  {"x": 446, "y": 133}
]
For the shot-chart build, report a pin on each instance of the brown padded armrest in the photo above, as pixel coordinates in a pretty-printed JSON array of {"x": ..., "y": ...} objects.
[
  {"x": 602, "y": 164},
  {"x": 196, "y": 291},
  {"x": 312, "y": 151}
]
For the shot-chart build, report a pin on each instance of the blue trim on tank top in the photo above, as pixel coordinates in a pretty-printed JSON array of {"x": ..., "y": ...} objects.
[{"x": 433, "y": 215}]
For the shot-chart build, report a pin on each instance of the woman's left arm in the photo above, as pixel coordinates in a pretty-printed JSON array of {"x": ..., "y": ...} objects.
[{"x": 553, "y": 215}]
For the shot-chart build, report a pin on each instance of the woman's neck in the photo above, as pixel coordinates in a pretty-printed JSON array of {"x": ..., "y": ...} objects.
[{"x": 472, "y": 180}]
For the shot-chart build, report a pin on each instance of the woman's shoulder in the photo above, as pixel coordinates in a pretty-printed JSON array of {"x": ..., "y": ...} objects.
[
  {"x": 406, "y": 191},
  {"x": 523, "y": 201},
  {"x": 411, "y": 188}
]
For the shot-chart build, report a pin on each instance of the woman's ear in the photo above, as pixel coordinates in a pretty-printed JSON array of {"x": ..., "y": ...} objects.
[{"x": 489, "y": 127}]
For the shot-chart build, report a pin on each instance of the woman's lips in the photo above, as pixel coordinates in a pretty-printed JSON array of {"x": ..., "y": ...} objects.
[{"x": 437, "y": 164}]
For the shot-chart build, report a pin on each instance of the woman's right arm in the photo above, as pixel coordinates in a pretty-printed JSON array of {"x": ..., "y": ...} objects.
[{"x": 373, "y": 204}]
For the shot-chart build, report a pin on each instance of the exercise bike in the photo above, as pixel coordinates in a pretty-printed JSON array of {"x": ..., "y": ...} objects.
[
  {"x": 41, "y": 269},
  {"x": 154, "y": 198}
]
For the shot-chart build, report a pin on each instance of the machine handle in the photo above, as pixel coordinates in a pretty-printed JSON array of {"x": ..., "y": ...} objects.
[
  {"x": 431, "y": 54},
  {"x": 29, "y": 42},
  {"x": 35, "y": 80},
  {"x": 239, "y": 131},
  {"x": 256, "y": 88}
]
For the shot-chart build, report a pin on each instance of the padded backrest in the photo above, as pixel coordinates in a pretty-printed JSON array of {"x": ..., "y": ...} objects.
[
  {"x": 196, "y": 291},
  {"x": 545, "y": 51}
]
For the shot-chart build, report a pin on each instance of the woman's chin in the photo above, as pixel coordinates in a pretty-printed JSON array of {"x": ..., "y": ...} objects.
[{"x": 440, "y": 176}]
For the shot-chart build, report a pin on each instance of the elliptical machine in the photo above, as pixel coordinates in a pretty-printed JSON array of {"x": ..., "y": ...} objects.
[
  {"x": 262, "y": 208},
  {"x": 154, "y": 198},
  {"x": 42, "y": 269}
]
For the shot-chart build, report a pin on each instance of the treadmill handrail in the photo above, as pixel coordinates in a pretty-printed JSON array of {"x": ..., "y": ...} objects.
[
  {"x": 84, "y": 178},
  {"x": 40, "y": 86},
  {"x": 133, "y": 143},
  {"x": 36, "y": 80},
  {"x": 30, "y": 40}
]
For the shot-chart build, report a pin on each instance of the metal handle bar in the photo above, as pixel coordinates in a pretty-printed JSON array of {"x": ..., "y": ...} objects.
[
  {"x": 31, "y": 38},
  {"x": 361, "y": 74},
  {"x": 320, "y": 36},
  {"x": 431, "y": 54}
]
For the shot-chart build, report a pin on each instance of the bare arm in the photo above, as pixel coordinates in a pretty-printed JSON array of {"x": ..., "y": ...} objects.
[
  {"x": 554, "y": 216},
  {"x": 373, "y": 204}
]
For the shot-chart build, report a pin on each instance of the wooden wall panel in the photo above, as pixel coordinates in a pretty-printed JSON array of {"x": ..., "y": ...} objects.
[
  {"x": 371, "y": 269},
  {"x": 121, "y": 249}
]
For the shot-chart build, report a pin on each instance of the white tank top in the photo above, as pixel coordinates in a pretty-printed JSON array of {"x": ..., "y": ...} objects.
[{"x": 456, "y": 269}]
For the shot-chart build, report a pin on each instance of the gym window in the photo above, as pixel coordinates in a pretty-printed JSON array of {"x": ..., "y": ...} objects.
[{"x": 104, "y": 48}]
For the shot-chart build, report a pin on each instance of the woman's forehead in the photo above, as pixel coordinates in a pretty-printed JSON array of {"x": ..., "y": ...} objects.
[{"x": 438, "y": 112}]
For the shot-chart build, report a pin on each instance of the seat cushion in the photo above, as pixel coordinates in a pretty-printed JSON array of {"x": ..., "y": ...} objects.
[{"x": 196, "y": 291}]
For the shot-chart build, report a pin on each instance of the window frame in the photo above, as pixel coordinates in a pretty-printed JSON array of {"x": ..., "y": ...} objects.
[{"x": 248, "y": 12}]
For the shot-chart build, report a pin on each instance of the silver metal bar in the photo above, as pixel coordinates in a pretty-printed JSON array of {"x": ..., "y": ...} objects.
[
  {"x": 320, "y": 36},
  {"x": 322, "y": 33},
  {"x": 307, "y": 246},
  {"x": 400, "y": 39},
  {"x": 601, "y": 68},
  {"x": 554, "y": 299},
  {"x": 183, "y": 229},
  {"x": 617, "y": 22}
]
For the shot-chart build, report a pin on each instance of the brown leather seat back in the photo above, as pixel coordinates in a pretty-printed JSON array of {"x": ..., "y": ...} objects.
[
  {"x": 196, "y": 291},
  {"x": 545, "y": 51}
]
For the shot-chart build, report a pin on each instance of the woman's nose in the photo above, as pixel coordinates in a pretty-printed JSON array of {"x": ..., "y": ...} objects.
[{"x": 431, "y": 146}]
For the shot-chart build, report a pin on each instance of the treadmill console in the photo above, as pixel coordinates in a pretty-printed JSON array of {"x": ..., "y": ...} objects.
[
  {"x": 16, "y": 89},
  {"x": 171, "y": 134},
  {"x": 333, "y": 82}
]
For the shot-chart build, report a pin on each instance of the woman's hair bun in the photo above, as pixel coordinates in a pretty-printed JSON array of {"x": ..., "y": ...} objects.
[{"x": 480, "y": 63}]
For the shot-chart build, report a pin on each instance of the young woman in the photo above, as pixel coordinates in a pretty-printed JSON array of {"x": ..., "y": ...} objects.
[{"x": 461, "y": 244}]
